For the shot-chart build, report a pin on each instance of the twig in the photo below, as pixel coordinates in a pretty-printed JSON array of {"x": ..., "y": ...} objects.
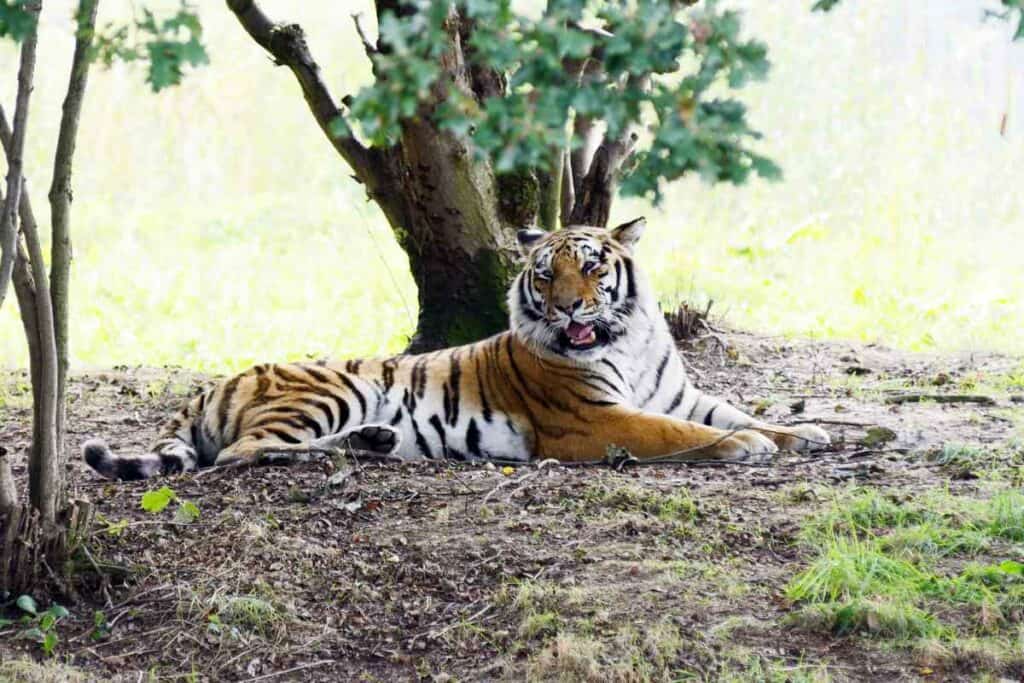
[
  {"x": 368, "y": 46},
  {"x": 941, "y": 398},
  {"x": 264, "y": 677}
]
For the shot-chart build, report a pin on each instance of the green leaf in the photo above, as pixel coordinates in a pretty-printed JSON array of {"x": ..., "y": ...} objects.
[
  {"x": 57, "y": 611},
  {"x": 1012, "y": 567},
  {"x": 156, "y": 501},
  {"x": 32, "y": 634},
  {"x": 26, "y": 603},
  {"x": 50, "y": 641},
  {"x": 187, "y": 512}
]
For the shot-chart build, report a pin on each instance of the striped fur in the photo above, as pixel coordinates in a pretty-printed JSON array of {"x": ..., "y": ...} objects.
[{"x": 588, "y": 362}]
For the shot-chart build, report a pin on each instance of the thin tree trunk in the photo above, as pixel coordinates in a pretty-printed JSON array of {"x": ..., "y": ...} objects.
[
  {"x": 60, "y": 200},
  {"x": 45, "y": 481},
  {"x": 9, "y": 218}
]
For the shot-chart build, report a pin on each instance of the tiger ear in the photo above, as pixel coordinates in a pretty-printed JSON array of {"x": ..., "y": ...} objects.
[
  {"x": 527, "y": 238},
  {"x": 629, "y": 233}
]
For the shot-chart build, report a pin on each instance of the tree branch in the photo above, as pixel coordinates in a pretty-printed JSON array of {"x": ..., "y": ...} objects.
[
  {"x": 60, "y": 196},
  {"x": 9, "y": 216},
  {"x": 597, "y": 188},
  {"x": 287, "y": 45}
]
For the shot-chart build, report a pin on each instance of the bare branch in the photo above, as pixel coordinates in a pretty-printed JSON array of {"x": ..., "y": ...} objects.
[
  {"x": 60, "y": 196},
  {"x": 589, "y": 132},
  {"x": 9, "y": 216},
  {"x": 369, "y": 47},
  {"x": 593, "y": 204},
  {"x": 597, "y": 188},
  {"x": 568, "y": 189},
  {"x": 287, "y": 45}
]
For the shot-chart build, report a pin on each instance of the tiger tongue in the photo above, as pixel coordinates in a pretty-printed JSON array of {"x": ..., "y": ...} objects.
[{"x": 579, "y": 333}]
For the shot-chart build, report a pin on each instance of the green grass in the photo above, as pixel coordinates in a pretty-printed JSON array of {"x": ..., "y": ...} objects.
[
  {"x": 924, "y": 571},
  {"x": 212, "y": 232}
]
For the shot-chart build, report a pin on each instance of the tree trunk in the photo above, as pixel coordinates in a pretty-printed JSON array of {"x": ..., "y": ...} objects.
[
  {"x": 60, "y": 200},
  {"x": 450, "y": 212}
]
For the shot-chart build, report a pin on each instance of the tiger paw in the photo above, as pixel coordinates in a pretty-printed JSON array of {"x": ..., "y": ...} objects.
[
  {"x": 374, "y": 438},
  {"x": 802, "y": 438},
  {"x": 746, "y": 446}
]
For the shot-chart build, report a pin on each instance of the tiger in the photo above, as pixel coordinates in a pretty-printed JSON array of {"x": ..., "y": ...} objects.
[{"x": 588, "y": 363}]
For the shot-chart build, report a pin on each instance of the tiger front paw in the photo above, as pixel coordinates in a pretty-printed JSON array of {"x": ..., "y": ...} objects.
[
  {"x": 746, "y": 446},
  {"x": 802, "y": 438}
]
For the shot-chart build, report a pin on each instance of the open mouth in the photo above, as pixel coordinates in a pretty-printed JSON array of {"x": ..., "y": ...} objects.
[{"x": 578, "y": 336}]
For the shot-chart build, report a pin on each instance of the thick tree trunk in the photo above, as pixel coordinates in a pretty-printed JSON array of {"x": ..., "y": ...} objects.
[
  {"x": 453, "y": 216},
  {"x": 455, "y": 221}
]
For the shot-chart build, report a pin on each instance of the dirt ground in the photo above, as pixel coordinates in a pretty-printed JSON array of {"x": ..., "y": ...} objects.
[{"x": 455, "y": 572}]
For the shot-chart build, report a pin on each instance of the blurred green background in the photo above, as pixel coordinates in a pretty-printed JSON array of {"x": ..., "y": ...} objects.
[{"x": 215, "y": 227}]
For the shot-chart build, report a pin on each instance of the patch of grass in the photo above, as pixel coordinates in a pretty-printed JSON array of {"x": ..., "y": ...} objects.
[
  {"x": 539, "y": 625},
  {"x": 991, "y": 462},
  {"x": 881, "y": 617},
  {"x": 1003, "y": 516},
  {"x": 675, "y": 506},
  {"x": 764, "y": 670},
  {"x": 631, "y": 653},
  {"x": 28, "y": 671},
  {"x": 891, "y": 567},
  {"x": 248, "y": 611},
  {"x": 850, "y": 568}
]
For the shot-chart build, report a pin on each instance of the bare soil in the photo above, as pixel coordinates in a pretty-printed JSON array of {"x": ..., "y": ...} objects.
[{"x": 417, "y": 571}]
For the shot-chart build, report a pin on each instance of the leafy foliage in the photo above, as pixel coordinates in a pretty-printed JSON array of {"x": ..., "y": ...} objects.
[
  {"x": 39, "y": 626},
  {"x": 157, "y": 501},
  {"x": 640, "y": 65},
  {"x": 16, "y": 20},
  {"x": 166, "y": 46}
]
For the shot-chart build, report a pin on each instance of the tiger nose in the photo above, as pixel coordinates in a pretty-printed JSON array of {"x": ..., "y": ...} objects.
[{"x": 571, "y": 308}]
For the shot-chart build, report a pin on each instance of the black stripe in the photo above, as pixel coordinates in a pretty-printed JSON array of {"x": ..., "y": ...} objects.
[
  {"x": 435, "y": 422},
  {"x": 519, "y": 375},
  {"x": 418, "y": 378},
  {"x": 287, "y": 375},
  {"x": 630, "y": 281},
  {"x": 661, "y": 366},
  {"x": 455, "y": 381},
  {"x": 618, "y": 279},
  {"x": 446, "y": 402},
  {"x": 709, "y": 416},
  {"x": 473, "y": 439},
  {"x": 614, "y": 369},
  {"x": 352, "y": 387},
  {"x": 388, "y": 373},
  {"x": 324, "y": 407},
  {"x": 353, "y": 366},
  {"x": 485, "y": 407},
  {"x": 283, "y": 435},
  {"x": 311, "y": 424},
  {"x": 409, "y": 400},
  {"x": 397, "y": 418},
  {"x": 317, "y": 375},
  {"x": 677, "y": 400},
  {"x": 421, "y": 443},
  {"x": 222, "y": 408}
]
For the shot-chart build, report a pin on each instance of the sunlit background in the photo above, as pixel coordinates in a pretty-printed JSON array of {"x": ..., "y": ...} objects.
[{"x": 214, "y": 225}]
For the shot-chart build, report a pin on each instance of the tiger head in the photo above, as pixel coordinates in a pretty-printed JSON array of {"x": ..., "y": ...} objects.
[{"x": 579, "y": 289}]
